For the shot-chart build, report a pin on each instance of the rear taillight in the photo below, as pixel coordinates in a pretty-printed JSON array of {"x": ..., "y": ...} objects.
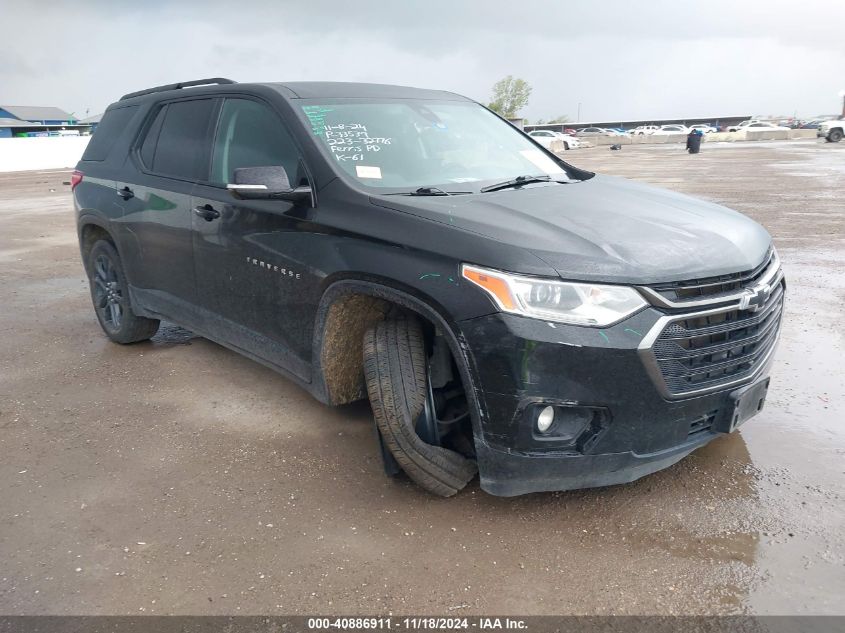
[{"x": 75, "y": 178}]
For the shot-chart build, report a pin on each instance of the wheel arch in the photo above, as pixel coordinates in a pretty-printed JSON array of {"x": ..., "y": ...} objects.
[
  {"x": 350, "y": 305},
  {"x": 90, "y": 229}
]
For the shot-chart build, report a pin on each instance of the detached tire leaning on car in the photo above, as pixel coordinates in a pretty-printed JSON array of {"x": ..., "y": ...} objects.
[
  {"x": 395, "y": 373},
  {"x": 110, "y": 294}
]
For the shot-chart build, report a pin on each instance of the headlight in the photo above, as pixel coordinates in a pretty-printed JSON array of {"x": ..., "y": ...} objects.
[{"x": 593, "y": 305}]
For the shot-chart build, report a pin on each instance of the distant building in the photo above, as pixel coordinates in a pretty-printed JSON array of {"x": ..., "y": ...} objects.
[
  {"x": 93, "y": 121},
  {"x": 38, "y": 121},
  {"x": 37, "y": 114},
  {"x": 9, "y": 124}
]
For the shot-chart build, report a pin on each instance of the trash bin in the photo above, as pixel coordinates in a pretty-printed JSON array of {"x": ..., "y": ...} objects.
[{"x": 694, "y": 142}]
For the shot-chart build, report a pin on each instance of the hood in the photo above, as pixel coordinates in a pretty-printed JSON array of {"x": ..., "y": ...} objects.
[{"x": 605, "y": 229}]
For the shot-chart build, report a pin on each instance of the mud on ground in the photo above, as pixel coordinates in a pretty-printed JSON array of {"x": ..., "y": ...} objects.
[{"x": 178, "y": 477}]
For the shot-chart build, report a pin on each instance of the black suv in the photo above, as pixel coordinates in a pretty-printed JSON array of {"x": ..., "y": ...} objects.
[{"x": 504, "y": 311}]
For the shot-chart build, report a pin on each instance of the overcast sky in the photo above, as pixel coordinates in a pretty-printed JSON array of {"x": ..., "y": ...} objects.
[{"x": 620, "y": 59}]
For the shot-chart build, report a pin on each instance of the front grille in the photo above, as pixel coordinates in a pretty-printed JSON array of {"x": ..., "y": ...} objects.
[
  {"x": 713, "y": 287},
  {"x": 719, "y": 347}
]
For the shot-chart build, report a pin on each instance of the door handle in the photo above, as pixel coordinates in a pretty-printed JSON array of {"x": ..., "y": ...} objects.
[
  {"x": 207, "y": 212},
  {"x": 126, "y": 193}
]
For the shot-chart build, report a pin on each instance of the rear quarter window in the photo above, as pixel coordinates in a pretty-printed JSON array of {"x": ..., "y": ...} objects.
[{"x": 114, "y": 122}]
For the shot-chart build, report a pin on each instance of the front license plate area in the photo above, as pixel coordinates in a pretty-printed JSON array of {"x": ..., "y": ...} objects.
[{"x": 743, "y": 404}]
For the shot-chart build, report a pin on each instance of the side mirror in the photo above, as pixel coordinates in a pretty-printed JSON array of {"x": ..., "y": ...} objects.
[{"x": 267, "y": 183}]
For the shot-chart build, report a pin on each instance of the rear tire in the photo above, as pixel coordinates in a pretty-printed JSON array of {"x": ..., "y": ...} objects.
[
  {"x": 395, "y": 373},
  {"x": 834, "y": 136},
  {"x": 110, "y": 295}
]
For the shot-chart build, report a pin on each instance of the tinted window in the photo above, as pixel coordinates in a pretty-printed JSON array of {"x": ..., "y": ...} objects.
[
  {"x": 181, "y": 148},
  {"x": 251, "y": 135},
  {"x": 107, "y": 132},
  {"x": 149, "y": 146}
]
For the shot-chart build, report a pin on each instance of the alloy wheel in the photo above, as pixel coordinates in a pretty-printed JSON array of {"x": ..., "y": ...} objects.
[{"x": 108, "y": 294}]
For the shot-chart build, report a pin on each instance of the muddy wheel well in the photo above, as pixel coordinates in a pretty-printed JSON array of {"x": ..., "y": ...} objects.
[
  {"x": 341, "y": 353},
  {"x": 92, "y": 233},
  {"x": 341, "y": 360}
]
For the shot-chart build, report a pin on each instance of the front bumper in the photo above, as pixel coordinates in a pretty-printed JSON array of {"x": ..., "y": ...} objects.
[
  {"x": 520, "y": 362},
  {"x": 509, "y": 474}
]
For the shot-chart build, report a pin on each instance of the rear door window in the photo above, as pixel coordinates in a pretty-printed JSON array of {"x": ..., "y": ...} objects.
[
  {"x": 180, "y": 149},
  {"x": 113, "y": 123}
]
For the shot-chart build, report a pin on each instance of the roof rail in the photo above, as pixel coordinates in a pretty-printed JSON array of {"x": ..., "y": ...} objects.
[{"x": 181, "y": 84}]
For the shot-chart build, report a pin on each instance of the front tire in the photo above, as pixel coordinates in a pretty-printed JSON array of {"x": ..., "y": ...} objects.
[
  {"x": 110, "y": 294},
  {"x": 834, "y": 136},
  {"x": 395, "y": 373}
]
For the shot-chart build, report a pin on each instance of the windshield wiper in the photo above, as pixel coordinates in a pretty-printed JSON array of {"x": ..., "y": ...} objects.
[
  {"x": 517, "y": 182},
  {"x": 427, "y": 191}
]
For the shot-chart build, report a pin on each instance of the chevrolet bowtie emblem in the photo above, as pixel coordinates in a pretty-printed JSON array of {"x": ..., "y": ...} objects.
[{"x": 753, "y": 298}]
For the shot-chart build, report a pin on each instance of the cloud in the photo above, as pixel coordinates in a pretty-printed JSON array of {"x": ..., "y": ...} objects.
[{"x": 618, "y": 59}]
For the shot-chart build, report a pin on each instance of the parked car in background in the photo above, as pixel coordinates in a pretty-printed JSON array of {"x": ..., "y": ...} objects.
[
  {"x": 642, "y": 130},
  {"x": 545, "y": 138},
  {"x": 592, "y": 131},
  {"x": 618, "y": 131},
  {"x": 763, "y": 126},
  {"x": 671, "y": 129},
  {"x": 832, "y": 130},
  {"x": 705, "y": 128},
  {"x": 740, "y": 126},
  {"x": 572, "y": 142}
]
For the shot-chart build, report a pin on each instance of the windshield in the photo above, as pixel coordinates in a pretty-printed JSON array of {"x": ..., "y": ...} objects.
[{"x": 407, "y": 144}]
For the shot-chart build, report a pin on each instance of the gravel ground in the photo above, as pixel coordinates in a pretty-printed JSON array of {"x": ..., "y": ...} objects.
[{"x": 178, "y": 477}]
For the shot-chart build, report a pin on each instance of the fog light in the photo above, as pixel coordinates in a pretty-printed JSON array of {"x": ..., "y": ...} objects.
[{"x": 545, "y": 419}]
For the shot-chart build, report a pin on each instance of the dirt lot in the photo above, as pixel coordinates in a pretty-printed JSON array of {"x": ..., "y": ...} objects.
[{"x": 178, "y": 477}]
